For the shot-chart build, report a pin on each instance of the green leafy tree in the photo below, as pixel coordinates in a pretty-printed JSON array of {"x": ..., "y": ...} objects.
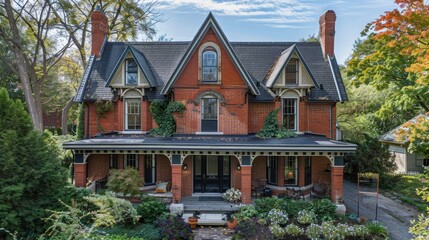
[
  {"x": 420, "y": 227},
  {"x": 32, "y": 178},
  {"x": 126, "y": 181}
]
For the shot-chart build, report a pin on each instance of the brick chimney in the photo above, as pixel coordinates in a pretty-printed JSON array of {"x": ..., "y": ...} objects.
[
  {"x": 99, "y": 30},
  {"x": 327, "y": 32}
]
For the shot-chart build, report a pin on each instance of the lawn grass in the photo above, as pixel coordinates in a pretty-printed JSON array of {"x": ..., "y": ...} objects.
[{"x": 405, "y": 185}]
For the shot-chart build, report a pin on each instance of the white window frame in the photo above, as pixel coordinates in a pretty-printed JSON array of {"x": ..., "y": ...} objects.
[
  {"x": 296, "y": 127},
  {"x": 126, "y": 73},
  {"x": 202, "y": 109},
  {"x": 126, "y": 100},
  {"x": 205, "y": 46},
  {"x": 295, "y": 172},
  {"x": 127, "y": 160}
]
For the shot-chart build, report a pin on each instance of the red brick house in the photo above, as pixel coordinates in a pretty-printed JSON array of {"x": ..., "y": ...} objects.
[{"x": 228, "y": 89}]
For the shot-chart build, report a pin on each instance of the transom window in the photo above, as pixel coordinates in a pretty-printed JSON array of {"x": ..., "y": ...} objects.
[
  {"x": 133, "y": 114},
  {"x": 291, "y": 170},
  {"x": 272, "y": 170},
  {"x": 290, "y": 113},
  {"x": 149, "y": 169},
  {"x": 131, "y": 160},
  {"x": 130, "y": 72},
  {"x": 291, "y": 72},
  {"x": 210, "y": 65}
]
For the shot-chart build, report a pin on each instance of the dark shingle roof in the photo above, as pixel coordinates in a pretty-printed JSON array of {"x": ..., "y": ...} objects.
[{"x": 256, "y": 57}]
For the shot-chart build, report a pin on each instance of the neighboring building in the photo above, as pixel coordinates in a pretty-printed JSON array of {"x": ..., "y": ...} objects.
[
  {"x": 228, "y": 89},
  {"x": 405, "y": 161}
]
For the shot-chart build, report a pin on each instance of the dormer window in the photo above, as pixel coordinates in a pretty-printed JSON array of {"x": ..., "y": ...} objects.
[
  {"x": 292, "y": 72},
  {"x": 209, "y": 65},
  {"x": 130, "y": 72}
]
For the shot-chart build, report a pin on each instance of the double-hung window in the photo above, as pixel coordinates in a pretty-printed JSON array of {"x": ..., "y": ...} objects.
[
  {"x": 291, "y": 170},
  {"x": 131, "y": 160},
  {"x": 113, "y": 161},
  {"x": 149, "y": 169},
  {"x": 290, "y": 113},
  {"x": 133, "y": 118},
  {"x": 130, "y": 72}
]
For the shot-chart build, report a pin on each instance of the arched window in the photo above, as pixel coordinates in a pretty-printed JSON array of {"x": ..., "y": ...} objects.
[{"x": 210, "y": 60}]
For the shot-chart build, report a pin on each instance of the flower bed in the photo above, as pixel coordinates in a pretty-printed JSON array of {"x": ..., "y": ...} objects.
[{"x": 290, "y": 219}]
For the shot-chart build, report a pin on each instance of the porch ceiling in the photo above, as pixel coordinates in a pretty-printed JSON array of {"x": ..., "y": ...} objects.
[{"x": 302, "y": 143}]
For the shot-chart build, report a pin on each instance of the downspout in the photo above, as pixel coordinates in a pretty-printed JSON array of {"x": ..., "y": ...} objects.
[{"x": 330, "y": 119}]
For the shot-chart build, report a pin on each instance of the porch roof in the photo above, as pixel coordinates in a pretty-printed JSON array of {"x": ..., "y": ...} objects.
[{"x": 118, "y": 141}]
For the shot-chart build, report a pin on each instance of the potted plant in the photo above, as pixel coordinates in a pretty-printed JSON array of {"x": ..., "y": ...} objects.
[
  {"x": 193, "y": 220},
  {"x": 231, "y": 221},
  {"x": 232, "y": 195}
]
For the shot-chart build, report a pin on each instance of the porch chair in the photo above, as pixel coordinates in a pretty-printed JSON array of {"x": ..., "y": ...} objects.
[
  {"x": 258, "y": 186},
  {"x": 318, "y": 191}
]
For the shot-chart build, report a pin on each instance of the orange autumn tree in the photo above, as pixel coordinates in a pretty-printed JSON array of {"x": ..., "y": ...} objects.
[{"x": 408, "y": 27}]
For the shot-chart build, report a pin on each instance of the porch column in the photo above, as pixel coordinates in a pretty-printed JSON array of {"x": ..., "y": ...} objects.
[
  {"x": 176, "y": 178},
  {"x": 337, "y": 183},
  {"x": 246, "y": 180},
  {"x": 80, "y": 174}
]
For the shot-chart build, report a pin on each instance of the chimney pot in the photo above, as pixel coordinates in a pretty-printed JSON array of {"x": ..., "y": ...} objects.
[{"x": 327, "y": 32}]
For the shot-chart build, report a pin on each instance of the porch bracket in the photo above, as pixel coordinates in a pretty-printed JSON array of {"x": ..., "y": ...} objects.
[
  {"x": 183, "y": 157},
  {"x": 332, "y": 160}
]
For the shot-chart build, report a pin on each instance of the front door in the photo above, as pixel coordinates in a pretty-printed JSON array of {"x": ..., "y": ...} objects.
[{"x": 211, "y": 174}]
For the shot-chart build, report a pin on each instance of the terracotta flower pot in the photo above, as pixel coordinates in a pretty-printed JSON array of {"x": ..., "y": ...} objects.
[
  {"x": 233, "y": 224},
  {"x": 193, "y": 222}
]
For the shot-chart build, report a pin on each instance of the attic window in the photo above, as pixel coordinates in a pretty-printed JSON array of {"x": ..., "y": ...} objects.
[
  {"x": 209, "y": 65},
  {"x": 130, "y": 72},
  {"x": 292, "y": 72}
]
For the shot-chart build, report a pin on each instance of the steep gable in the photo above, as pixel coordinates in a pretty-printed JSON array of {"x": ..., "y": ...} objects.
[{"x": 210, "y": 24}]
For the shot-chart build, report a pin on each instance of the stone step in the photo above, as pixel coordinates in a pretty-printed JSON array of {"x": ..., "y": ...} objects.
[{"x": 208, "y": 219}]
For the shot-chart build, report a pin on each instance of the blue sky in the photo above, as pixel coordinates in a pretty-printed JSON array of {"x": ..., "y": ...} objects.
[{"x": 272, "y": 20}]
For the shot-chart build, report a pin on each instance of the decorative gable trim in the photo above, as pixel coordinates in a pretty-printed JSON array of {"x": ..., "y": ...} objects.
[
  {"x": 335, "y": 79},
  {"x": 141, "y": 62},
  {"x": 81, "y": 90},
  {"x": 210, "y": 22},
  {"x": 282, "y": 62}
]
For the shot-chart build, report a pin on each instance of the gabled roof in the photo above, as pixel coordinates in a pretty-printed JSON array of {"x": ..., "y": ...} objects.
[
  {"x": 210, "y": 23},
  {"x": 392, "y": 136},
  {"x": 141, "y": 62},
  {"x": 281, "y": 63}
]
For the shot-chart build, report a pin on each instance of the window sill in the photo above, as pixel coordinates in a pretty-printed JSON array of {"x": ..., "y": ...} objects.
[
  {"x": 210, "y": 83},
  {"x": 209, "y": 133},
  {"x": 150, "y": 187}
]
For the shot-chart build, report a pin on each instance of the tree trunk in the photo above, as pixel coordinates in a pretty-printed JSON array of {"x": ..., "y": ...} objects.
[
  {"x": 23, "y": 69},
  {"x": 64, "y": 116}
]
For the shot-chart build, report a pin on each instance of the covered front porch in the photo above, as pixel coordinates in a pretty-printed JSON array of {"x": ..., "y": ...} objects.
[{"x": 198, "y": 165}]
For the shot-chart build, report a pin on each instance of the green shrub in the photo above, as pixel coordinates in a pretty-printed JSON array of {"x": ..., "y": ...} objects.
[
  {"x": 306, "y": 217},
  {"x": 173, "y": 227},
  {"x": 277, "y": 231},
  {"x": 126, "y": 181},
  {"x": 293, "y": 230},
  {"x": 376, "y": 229},
  {"x": 246, "y": 212},
  {"x": 271, "y": 128},
  {"x": 119, "y": 210},
  {"x": 292, "y": 207},
  {"x": 324, "y": 209},
  {"x": 313, "y": 231},
  {"x": 145, "y": 231},
  {"x": 150, "y": 209},
  {"x": 264, "y": 205}
]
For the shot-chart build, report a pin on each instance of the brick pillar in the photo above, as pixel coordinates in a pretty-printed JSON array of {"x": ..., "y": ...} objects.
[
  {"x": 80, "y": 174},
  {"x": 246, "y": 181},
  {"x": 336, "y": 182},
  {"x": 176, "y": 182}
]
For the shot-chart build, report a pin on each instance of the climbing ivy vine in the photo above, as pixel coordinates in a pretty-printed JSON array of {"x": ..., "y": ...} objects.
[
  {"x": 162, "y": 111},
  {"x": 101, "y": 107},
  {"x": 271, "y": 128}
]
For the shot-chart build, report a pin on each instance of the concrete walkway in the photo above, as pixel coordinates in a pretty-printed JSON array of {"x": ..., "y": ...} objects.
[{"x": 395, "y": 215}]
